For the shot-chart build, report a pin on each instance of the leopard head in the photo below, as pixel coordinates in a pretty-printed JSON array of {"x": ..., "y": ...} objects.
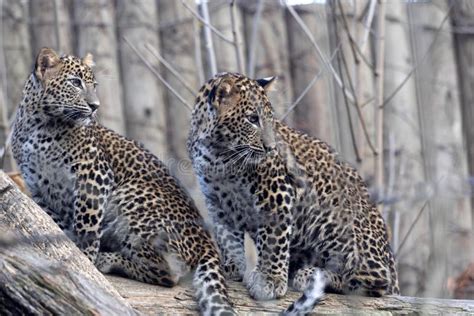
[
  {"x": 67, "y": 87},
  {"x": 233, "y": 119}
]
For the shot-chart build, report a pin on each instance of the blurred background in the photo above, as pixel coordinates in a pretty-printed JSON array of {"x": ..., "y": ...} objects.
[{"x": 389, "y": 84}]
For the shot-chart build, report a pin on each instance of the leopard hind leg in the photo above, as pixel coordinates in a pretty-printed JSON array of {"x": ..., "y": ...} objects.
[{"x": 153, "y": 271}]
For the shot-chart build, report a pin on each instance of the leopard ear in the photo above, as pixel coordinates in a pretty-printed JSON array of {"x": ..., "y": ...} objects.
[
  {"x": 267, "y": 83},
  {"x": 222, "y": 94},
  {"x": 46, "y": 61},
  {"x": 88, "y": 60}
]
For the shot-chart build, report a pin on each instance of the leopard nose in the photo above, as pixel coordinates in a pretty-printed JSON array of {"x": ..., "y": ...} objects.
[{"x": 94, "y": 106}]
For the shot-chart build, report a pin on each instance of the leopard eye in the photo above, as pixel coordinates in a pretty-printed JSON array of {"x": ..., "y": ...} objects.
[
  {"x": 253, "y": 118},
  {"x": 76, "y": 82}
]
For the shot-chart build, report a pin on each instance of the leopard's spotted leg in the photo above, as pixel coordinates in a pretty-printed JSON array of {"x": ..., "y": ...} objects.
[
  {"x": 231, "y": 244},
  {"x": 93, "y": 184},
  {"x": 154, "y": 270},
  {"x": 208, "y": 280},
  {"x": 269, "y": 279}
]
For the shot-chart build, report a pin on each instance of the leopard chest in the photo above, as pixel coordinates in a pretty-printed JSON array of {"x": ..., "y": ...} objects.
[
  {"x": 232, "y": 201},
  {"x": 47, "y": 166}
]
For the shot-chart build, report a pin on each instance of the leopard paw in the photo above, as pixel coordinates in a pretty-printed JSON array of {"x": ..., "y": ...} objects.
[
  {"x": 302, "y": 278},
  {"x": 264, "y": 287}
]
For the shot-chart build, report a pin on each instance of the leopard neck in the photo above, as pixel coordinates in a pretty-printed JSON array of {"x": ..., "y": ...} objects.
[{"x": 32, "y": 93}]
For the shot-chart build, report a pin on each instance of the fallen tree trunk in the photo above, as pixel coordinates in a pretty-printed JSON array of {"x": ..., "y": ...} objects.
[
  {"x": 152, "y": 300},
  {"x": 42, "y": 272}
]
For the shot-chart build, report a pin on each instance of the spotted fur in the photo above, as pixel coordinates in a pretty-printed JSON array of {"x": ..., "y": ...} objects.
[
  {"x": 112, "y": 197},
  {"x": 306, "y": 209}
]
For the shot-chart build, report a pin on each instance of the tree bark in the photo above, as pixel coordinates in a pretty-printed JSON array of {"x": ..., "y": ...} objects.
[
  {"x": 16, "y": 49},
  {"x": 346, "y": 116},
  {"x": 51, "y": 26},
  {"x": 267, "y": 48},
  {"x": 404, "y": 160},
  {"x": 451, "y": 242},
  {"x": 41, "y": 270},
  {"x": 226, "y": 56},
  {"x": 179, "y": 300},
  {"x": 315, "y": 114},
  {"x": 95, "y": 28},
  {"x": 178, "y": 49},
  {"x": 462, "y": 17},
  {"x": 143, "y": 96},
  {"x": 7, "y": 162}
]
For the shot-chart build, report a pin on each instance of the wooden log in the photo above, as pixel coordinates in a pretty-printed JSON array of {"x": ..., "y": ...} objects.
[
  {"x": 179, "y": 300},
  {"x": 42, "y": 272}
]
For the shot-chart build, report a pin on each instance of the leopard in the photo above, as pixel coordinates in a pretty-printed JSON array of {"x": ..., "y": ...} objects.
[
  {"x": 307, "y": 210},
  {"x": 115, "y": 199}
]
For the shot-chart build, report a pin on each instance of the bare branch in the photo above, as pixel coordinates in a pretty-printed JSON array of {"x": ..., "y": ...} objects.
[
  {"x": 420, "y": 212},
  {"x": 327, "y": 64},
  {"x": 412, "y": 71},
  {"x": 170, "y": 68},
  {"x": 211, "y": 54},
  {"x": 341, "y": 57},
  {"x": 308, "y": 87},
  {"x": 197, "y": 50},
  {"x": 379, "y": 119},
  {"x": 253, "y": 39},
  {"x": 356, "y": 50},
  {"x": 57, "y": 25},
  {"x": 368, "y": 24},
  {"x": 156, "y": 73},
  {"x": 206, "y": 21},
  {"x": 346, "y": 68},
  {"x": 235, "y": 35}
]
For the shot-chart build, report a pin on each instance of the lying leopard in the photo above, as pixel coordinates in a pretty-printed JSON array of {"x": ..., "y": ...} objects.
[
  {"x": 308, "y": 212},
  {"x": 112, "y": 197}
]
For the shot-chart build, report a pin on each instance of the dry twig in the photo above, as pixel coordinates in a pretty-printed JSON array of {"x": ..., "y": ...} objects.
[
  {"x": 253, "y": 39},
  {"x": 156, "y": 73},
  {"x": 379, "y": 123},
  {"x": 235, "y": 35},
  {"x": 368, "y": 24},
  {"x": 310, "y": 84},
  {"x": 170, "y": 68},
  {"x": 341, "y": 57},
  {"x": 412, "y": 71},
  {"x": 206, "y": 21},
  {"x": 327, "y": 64},
  {"x": 351, "y": 85},
  {"x": 211, "y": 54}
]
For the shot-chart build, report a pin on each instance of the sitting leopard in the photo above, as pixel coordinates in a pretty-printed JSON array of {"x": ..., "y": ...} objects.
[
  {"x": 112, "y": 197},
  {"x": 306, "y": 210}
]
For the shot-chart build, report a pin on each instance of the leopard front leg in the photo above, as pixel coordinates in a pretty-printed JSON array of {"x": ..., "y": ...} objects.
[
  {"x": 269, "y": 279},
  {"x": 231, "y": 245},
  {"x": 93, "y": 185}
]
